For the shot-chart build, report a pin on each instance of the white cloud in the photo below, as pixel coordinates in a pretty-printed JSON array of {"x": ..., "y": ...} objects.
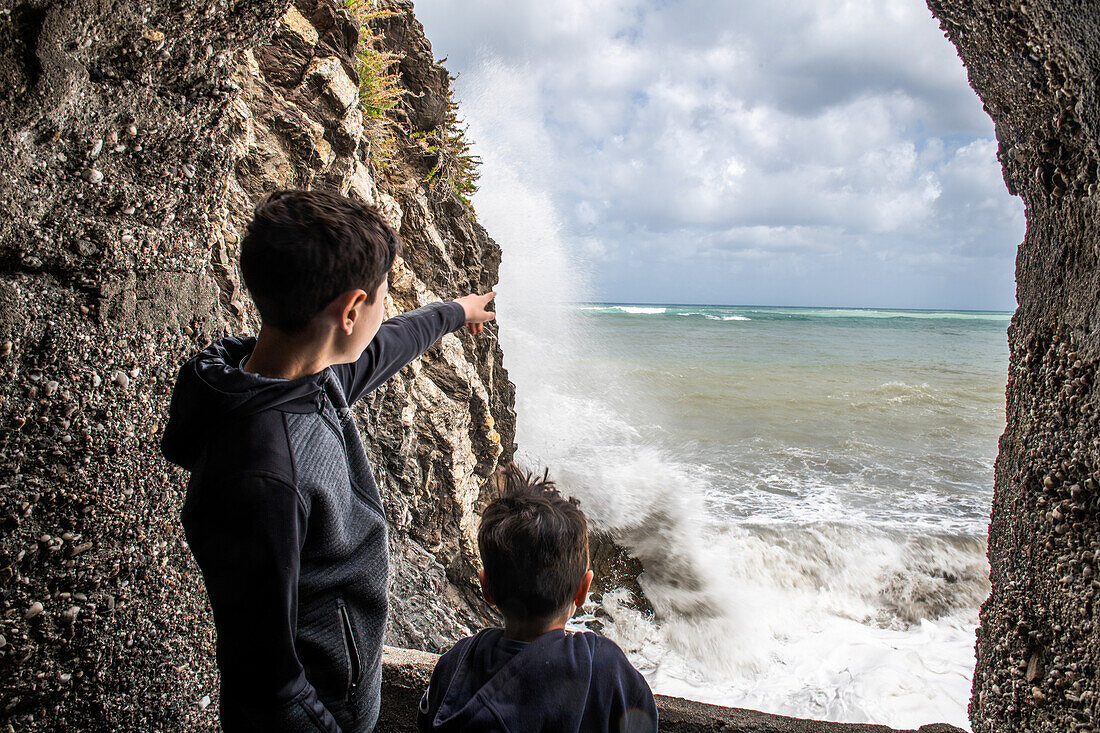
[{"x": 751, "y": 136}]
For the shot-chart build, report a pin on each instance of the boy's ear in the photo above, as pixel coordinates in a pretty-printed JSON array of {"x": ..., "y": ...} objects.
[
  {"x": 582, "y": 589},
  {"x": 484, "y": 587},
  {"x": 345, "y": 309}
]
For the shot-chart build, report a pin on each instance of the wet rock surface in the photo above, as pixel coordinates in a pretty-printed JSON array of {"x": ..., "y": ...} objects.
[
  {"x": 136, "y": 139},
  {"x": 1035, "y": 65}
]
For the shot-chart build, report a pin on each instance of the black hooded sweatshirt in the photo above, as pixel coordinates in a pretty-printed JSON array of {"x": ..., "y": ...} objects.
[
  {"x": 285, "y": 521},
  {"x": 561, "y": 682}
]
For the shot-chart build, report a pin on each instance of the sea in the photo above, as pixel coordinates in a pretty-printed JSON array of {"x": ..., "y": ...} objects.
[{"x": 808, "y": 490}]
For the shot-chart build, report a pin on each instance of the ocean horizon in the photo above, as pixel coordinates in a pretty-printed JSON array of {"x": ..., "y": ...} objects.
[{"x": 757, "y": 306}]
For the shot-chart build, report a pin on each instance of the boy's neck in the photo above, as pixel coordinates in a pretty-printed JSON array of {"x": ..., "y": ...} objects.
[
  {"x": 531, "y": 630},
  {"x": 280, "y": 355}
]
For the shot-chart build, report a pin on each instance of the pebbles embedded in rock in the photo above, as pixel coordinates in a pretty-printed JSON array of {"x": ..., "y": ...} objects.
[
  {"x": 93, "y": 176},
  {"x": 132, "y": 130},
  {"x": 188, "y": 170},
  {"x": 204, "y": 702},
  {"x": 35, "y": 609},
  {"x": 122, "y": 379},
  {"x": 96, "y": 380}
]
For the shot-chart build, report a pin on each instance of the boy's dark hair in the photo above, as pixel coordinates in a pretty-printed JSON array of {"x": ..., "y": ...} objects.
[
  {"x": 304, "y": 248},
  {"x": 534, "y": 547}
]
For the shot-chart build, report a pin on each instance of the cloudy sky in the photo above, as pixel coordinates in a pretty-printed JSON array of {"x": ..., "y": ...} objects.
[{"x": 824, "y": 152}]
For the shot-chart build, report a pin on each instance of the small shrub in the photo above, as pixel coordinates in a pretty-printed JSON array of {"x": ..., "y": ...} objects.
[
  {"x": 379, "y": 82},
  {"x": 456, "y": 167},
  {"x": 455, "y": 171}
]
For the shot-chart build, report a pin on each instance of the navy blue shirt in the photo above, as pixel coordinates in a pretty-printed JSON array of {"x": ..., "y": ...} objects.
[{"x": 561, "y": 682}]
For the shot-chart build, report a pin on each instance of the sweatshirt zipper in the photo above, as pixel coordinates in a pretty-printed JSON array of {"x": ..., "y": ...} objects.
[{"x": 354, "y": 662}]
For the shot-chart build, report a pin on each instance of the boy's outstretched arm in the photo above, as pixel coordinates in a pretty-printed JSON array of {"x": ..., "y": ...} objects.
[
  {"x": 404, "y": 337},
  {"x": 248, "y": 546}
]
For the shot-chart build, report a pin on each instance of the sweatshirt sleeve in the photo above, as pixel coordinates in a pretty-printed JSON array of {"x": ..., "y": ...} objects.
[
  {"x": 634, "y": 710},
  {"x": 248, "y": 547},
  {"x": 641, "y": 713},
  {"x": 399, "y": 340}
]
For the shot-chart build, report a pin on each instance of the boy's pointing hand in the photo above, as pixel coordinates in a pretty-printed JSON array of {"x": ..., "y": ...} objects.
[{"x": 476, "y": 315}]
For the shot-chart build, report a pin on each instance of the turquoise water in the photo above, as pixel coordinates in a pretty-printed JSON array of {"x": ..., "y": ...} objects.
[
  {"x": 893, "y": 416},
  {"x": 808, "y": 489}
]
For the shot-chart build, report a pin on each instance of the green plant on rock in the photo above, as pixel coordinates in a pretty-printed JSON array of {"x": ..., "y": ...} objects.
[
  {"x": 456, "y": 167},
  {"x": 455, "y": 170},
  {"x": 379, "y": 82}
]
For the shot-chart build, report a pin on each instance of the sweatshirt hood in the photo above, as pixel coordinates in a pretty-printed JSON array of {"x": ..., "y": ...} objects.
[
  {"x": 212, "y": 388},
  {"x": 517, "y": 692}
]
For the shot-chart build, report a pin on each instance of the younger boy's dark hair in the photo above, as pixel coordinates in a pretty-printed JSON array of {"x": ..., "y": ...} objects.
[
  {"x": 304, "y": 248},
  {"x": 534, "y": 547}
]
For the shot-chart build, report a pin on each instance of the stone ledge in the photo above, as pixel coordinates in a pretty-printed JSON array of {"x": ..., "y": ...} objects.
[{"x": 405, "y": 674}]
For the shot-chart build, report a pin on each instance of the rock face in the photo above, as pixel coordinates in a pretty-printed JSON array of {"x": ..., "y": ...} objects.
[
  {"x": 136, "y": 140},
  {"x": 1035, "y": 65}
]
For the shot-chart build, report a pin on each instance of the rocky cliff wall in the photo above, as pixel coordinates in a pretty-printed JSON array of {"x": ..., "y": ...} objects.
[
  {"x": 136, "y": 138},
  {"x": 1035, "y": 63}
]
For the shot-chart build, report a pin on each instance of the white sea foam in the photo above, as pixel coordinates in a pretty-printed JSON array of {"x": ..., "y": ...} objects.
[
  {"x": 639, "y": 310},
  {"x": 872, "y": 313},
  {"x": 800, "y": 615}
]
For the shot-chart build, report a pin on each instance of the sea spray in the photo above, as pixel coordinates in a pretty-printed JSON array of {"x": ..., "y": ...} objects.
[
  {"x": 651, "y": 504},
  {"x": 807, "y": 489}
]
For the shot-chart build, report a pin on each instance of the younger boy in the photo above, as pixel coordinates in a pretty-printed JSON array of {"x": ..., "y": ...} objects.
[
  {"x": 282, "y": 513},
  {"x": 533, "y": 675}
]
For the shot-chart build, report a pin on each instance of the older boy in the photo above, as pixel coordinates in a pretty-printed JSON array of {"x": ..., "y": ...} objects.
[
  {"x": 282, "y": 513},
  {"x": 532, "y": 675}
]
